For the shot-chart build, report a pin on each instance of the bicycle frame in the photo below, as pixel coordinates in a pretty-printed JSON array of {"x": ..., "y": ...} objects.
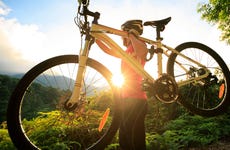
[{"x": 100, "y": 32}]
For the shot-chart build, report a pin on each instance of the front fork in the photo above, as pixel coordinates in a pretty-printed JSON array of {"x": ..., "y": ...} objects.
[{"x": 72, "y": 103}]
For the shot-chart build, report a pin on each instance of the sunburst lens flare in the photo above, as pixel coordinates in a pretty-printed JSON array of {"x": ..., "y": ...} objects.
[{"x": 118, "y": 80}]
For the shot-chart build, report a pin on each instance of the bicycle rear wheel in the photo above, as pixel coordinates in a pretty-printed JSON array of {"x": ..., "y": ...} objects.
[
  {"x": 208, "y": 96},
  {"x": 37, "y": 118}
]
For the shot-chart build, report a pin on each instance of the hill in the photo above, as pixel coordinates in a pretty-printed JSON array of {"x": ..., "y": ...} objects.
[
  {"x": 8, "y": 83},
  {"x": 57, "y": 81}
]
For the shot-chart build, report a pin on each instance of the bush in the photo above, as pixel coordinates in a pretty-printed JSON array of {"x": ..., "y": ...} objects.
[
  {"x": 5, "y": 141},
  {"x": 190, "y": 131},
  {"x": 163, "y": 130}
]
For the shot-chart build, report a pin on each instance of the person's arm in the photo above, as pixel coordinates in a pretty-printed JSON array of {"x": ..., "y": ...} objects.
[
  {"x": 107, "y": 49},
  {"x": 138, "y": 46}
]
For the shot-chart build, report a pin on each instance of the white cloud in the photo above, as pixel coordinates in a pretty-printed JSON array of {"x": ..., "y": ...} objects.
[
  {"x": 4, "y": 10},
  {"x": 17, "y": 42},
  {"x": 11, "y": 61},
  {"x": 24, "y": 38},
  {"x": 25, "y": 43},
  {"x": 20, "y": 42}
]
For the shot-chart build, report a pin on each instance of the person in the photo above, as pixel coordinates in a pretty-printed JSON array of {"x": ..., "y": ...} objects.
[{"x": 134, "y": 100}]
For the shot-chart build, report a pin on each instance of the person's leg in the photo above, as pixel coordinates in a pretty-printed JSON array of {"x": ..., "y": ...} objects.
[
  {"x": 132, "y": 128},
  {"x": 126, "y": 126},
  {"x": 138, "y": 131}
]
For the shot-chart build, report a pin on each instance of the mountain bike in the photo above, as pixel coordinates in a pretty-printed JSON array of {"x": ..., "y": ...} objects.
[{"x": 72, "y": 99}]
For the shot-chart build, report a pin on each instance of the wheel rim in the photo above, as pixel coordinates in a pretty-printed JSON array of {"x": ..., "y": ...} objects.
[
  {"x": 42, "y": 115},
  {"x": 207, "y": 94}
]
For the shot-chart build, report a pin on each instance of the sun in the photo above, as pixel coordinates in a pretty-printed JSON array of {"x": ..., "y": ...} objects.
[{"x": 118, "y": 80}]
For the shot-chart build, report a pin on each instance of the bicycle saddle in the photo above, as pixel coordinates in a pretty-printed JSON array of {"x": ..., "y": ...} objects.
[{"x": 158, "y": 23}]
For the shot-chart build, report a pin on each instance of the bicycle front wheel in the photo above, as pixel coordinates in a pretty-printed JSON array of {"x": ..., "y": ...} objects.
[
  {"x": 37, "y": 118},
  {"x": 207, "y": 96}
]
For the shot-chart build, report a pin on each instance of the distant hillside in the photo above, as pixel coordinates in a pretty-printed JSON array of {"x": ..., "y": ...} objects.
[
  {"x": 8, "y": 83},
  {"x": 44, "y": 82},
  {"x": 61, "y": 82}
]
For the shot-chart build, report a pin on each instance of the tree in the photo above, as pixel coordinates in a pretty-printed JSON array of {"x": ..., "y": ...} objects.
[
  {"x": 7, "y": 85},
  {"x": 217, "y": 12}
]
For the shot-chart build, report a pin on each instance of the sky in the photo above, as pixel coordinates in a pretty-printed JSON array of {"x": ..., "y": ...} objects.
[{"x": 32, "y": 31}]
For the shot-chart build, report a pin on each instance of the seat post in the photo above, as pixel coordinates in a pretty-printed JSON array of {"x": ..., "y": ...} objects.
[{"x": 158, "y": 31}]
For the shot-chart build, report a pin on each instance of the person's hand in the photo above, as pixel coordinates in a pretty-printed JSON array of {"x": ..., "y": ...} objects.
[
  {"x": 134, "y": 32},
  {"x": 149, "y": 88}
]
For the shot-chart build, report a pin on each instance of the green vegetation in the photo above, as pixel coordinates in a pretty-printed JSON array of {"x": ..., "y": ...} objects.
[
  {"x": 190, "y": 131},
  {"x": 217, "y": 12},
  {"x": 168, "y": 126},
  {"x": 7, "y": 85}
]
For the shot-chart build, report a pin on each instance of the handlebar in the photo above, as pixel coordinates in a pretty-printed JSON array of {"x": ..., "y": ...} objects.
[
  {"x": 84, "y": 2},
  {"x": 86, "y": 12}
]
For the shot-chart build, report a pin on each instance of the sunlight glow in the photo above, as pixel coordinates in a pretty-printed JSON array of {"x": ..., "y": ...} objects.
[{"x": 118, "y": 80}]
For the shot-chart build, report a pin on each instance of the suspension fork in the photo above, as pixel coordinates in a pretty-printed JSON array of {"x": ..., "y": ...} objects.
[{"x": 72, "y": 103}]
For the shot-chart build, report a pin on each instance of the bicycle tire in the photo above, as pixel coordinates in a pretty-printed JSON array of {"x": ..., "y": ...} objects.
[
  {"x": 215, "y": 100},
  {"x": 22, "y": 138}
]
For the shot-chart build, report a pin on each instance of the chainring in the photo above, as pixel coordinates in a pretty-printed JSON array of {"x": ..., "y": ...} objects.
[{"x": 166, "y": 89}]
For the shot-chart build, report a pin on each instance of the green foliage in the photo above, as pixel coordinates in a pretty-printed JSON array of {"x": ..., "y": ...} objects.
[
  {"x": 5, "y": 141},
  {"x": 40, "y": 99},
  {"x": 7, "y": 85},
  {"x": 64, "y": 128},
  {"x": 190, "y": 131},
  {"x": 217, "y": 12},
  {"x": 112, "y": 146},
  {"x": 101, "y": 101},
  {"x": 159, "y": 114},
  {"x": 61, "y": 130},
  {"x": 184, "y": 132}
]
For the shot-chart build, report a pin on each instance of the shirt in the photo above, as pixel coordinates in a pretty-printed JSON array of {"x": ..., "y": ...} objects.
[{"x": 132, "y": 86}]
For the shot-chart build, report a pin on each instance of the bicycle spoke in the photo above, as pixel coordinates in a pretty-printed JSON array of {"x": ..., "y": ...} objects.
[
  {"x": 201, "y": 95},
  {"x": 45, "y": 90}
]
